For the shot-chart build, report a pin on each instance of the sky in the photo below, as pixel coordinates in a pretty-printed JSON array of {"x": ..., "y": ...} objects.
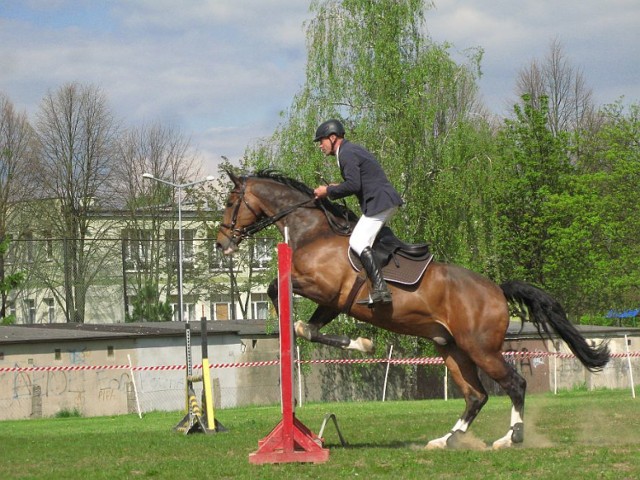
[{"x": 222, "y": 71}]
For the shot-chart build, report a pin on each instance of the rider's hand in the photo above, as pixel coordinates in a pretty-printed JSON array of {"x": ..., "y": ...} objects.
[{"x": 321, "y": 191}]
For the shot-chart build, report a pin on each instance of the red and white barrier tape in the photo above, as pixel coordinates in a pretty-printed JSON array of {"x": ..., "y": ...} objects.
[{"x": 338, "y": 361}]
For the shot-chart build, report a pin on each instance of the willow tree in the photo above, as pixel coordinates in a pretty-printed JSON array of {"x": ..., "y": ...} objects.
[{"x": 403, "y": 96}]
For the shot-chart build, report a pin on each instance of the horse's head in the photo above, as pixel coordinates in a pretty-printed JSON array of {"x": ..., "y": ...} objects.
[
  {"x": 267, "y": 197},
  {"x": 241, "y": 211}
]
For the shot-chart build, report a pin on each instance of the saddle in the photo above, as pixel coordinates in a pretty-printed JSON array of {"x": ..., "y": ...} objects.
[{"x": 400, "y": 262}]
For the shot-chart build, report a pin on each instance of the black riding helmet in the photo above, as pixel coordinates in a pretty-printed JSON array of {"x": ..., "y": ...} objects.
[{"x": 328, "y": 128}]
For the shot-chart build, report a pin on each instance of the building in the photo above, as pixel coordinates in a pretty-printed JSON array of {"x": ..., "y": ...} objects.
[{"x": 125, "y": 268}]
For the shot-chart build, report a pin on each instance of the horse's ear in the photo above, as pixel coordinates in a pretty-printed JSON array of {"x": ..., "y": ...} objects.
[{"x": 234, "y": 178}]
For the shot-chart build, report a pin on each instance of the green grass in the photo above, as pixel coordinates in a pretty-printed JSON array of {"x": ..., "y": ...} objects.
[{"x": 571, "y": 435}]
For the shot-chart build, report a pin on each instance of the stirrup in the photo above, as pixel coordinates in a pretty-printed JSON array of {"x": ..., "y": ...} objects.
[{"x": 380, "y": 297}]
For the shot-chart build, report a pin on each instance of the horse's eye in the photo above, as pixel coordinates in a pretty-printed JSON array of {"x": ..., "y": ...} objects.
[{"x": 229, "y": 204}]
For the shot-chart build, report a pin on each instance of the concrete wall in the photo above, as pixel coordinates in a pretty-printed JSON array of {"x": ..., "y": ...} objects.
[{"x": 66, "y": 382}]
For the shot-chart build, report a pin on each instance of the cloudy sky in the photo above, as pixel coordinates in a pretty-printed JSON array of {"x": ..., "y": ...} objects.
[{"x": 221, "y": 71}]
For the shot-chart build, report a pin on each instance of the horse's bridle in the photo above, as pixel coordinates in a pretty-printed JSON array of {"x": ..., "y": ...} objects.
[{"x": 262, "y": 221}]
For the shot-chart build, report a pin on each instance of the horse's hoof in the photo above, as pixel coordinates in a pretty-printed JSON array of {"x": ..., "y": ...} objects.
[
  {"x": 364, "y": 345},
  {"x": 302, "y": 330},
  {"x": 514, "y": 436},
  {"x": 438, "y": 443},
  {"x": 504, "y": 442}
]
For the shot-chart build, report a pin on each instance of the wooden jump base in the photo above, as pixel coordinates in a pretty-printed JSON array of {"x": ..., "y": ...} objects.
[{"x": 290, "y": 441}]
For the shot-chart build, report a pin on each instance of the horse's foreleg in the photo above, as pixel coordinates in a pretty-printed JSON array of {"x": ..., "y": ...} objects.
[{"x": 321, "y": 317}]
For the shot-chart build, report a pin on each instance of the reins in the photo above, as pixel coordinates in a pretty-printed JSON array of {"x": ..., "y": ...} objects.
[
  {"x": 268, "y": 221},
  {"x": 342, "y": 230}
]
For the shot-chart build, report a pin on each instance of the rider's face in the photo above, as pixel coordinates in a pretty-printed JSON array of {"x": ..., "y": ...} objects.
[{"x": 326, "y": 146}]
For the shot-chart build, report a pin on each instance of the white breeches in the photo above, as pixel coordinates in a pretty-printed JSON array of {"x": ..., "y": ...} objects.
[{"x": 367, "y": 228}]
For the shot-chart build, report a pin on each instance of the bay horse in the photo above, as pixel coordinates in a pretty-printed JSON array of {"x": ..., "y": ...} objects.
[{"x": 465, "y": 314}]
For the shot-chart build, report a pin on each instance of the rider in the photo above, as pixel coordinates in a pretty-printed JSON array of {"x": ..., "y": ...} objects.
[{"x": 363, "y": 176}]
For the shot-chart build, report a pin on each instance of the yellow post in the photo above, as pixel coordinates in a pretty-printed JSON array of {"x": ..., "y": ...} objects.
[{"x": 208, "y": 400}]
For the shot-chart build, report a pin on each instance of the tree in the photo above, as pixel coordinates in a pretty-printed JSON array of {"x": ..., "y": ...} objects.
[
  {"x": 593, "y": 256},
  {"x": 150, "y": 208},
  {"x": 75, "y": 131},
  {"x": 17, "y": 167},
  {"x": 535, "y": 166},
  {"x": 8, "y": 282},
  {"x": 555, "y": 81}
]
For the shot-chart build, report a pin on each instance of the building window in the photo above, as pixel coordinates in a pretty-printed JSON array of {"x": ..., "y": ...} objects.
[
  {"x": 51, "y": 310},
  {"x": 57, "y": 354},
  {"x": 189, "y": 310},
  {"x": 262, "y": 252},
  {"x": 110, "y": 351},
  {"x": 48, "y": 245},
  {"x": 29, "y": 311},
  {"x": 27, "y": 244},
  {"x": 259, "y": 306},
  {"x": 171, "y": 244},
  {"x": 221, "y": 307},
  {"x": 137, "y": 249},
  {"x": 219, "y": 262},
  {"x": 11, "y": 306}
]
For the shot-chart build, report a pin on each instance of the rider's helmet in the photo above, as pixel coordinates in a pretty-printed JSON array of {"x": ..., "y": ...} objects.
[{"x": 328, "y": 128}]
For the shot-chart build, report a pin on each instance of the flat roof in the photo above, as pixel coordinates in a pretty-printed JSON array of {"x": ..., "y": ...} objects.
[{"x": 40, "y": 333}]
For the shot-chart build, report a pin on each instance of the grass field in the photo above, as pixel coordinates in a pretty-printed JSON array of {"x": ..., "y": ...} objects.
[{"x": 571, "y": 435}]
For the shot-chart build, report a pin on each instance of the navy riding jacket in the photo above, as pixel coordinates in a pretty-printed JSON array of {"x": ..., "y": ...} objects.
[{"x": 363, "y": 177}]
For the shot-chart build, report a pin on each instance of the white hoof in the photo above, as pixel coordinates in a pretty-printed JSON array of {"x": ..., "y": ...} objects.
[
  {"x": 504, "y": 442},
  {"x": 302, "y": 330},
  {"x": 438, "y": 443},
  {"x": 361, "y": 344}
]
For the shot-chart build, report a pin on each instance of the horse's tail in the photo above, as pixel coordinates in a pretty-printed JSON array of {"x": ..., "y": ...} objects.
[{"x": 544, "y": 312}]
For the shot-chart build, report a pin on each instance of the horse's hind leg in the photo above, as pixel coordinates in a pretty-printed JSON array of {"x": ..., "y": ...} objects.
[
  {"x": 515, "y": 386},
  {"x": 465, "y": 374}
]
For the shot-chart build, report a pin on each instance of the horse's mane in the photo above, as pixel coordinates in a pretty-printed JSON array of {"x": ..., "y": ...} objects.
[{"x": 334, "y": 208}]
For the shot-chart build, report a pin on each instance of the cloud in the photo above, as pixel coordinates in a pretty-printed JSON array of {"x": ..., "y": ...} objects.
[{"x": 222, "y": 70}]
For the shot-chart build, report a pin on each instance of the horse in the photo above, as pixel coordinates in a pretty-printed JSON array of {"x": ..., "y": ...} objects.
[{"x": 463, "y": 313}]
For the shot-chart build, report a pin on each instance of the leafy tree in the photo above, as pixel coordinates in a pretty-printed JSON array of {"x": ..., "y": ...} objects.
[
  {"x": 594, "y": 253},
  {"x": 17, "y": 166},
  {"x": 147, "y": 308},
  {"x": 8, "y": 282},
  {"x": 535, "y": 166}
]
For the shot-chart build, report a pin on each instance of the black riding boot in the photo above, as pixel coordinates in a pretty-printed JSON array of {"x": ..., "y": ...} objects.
[{"x": 379, "y": 292}]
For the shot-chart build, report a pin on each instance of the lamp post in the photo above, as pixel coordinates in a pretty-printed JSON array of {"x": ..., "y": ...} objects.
[{"x": 179, "y": 187}]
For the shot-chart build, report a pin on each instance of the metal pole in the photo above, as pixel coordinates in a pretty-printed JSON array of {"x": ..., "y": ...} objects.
[{"x": 180, "y": 303}]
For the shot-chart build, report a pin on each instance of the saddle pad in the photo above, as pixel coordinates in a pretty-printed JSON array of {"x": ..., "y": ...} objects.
[{"x": 399, "y": 270}]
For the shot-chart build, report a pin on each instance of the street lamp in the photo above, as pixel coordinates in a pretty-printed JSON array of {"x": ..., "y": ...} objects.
[{"x": 179, "y": 187}]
